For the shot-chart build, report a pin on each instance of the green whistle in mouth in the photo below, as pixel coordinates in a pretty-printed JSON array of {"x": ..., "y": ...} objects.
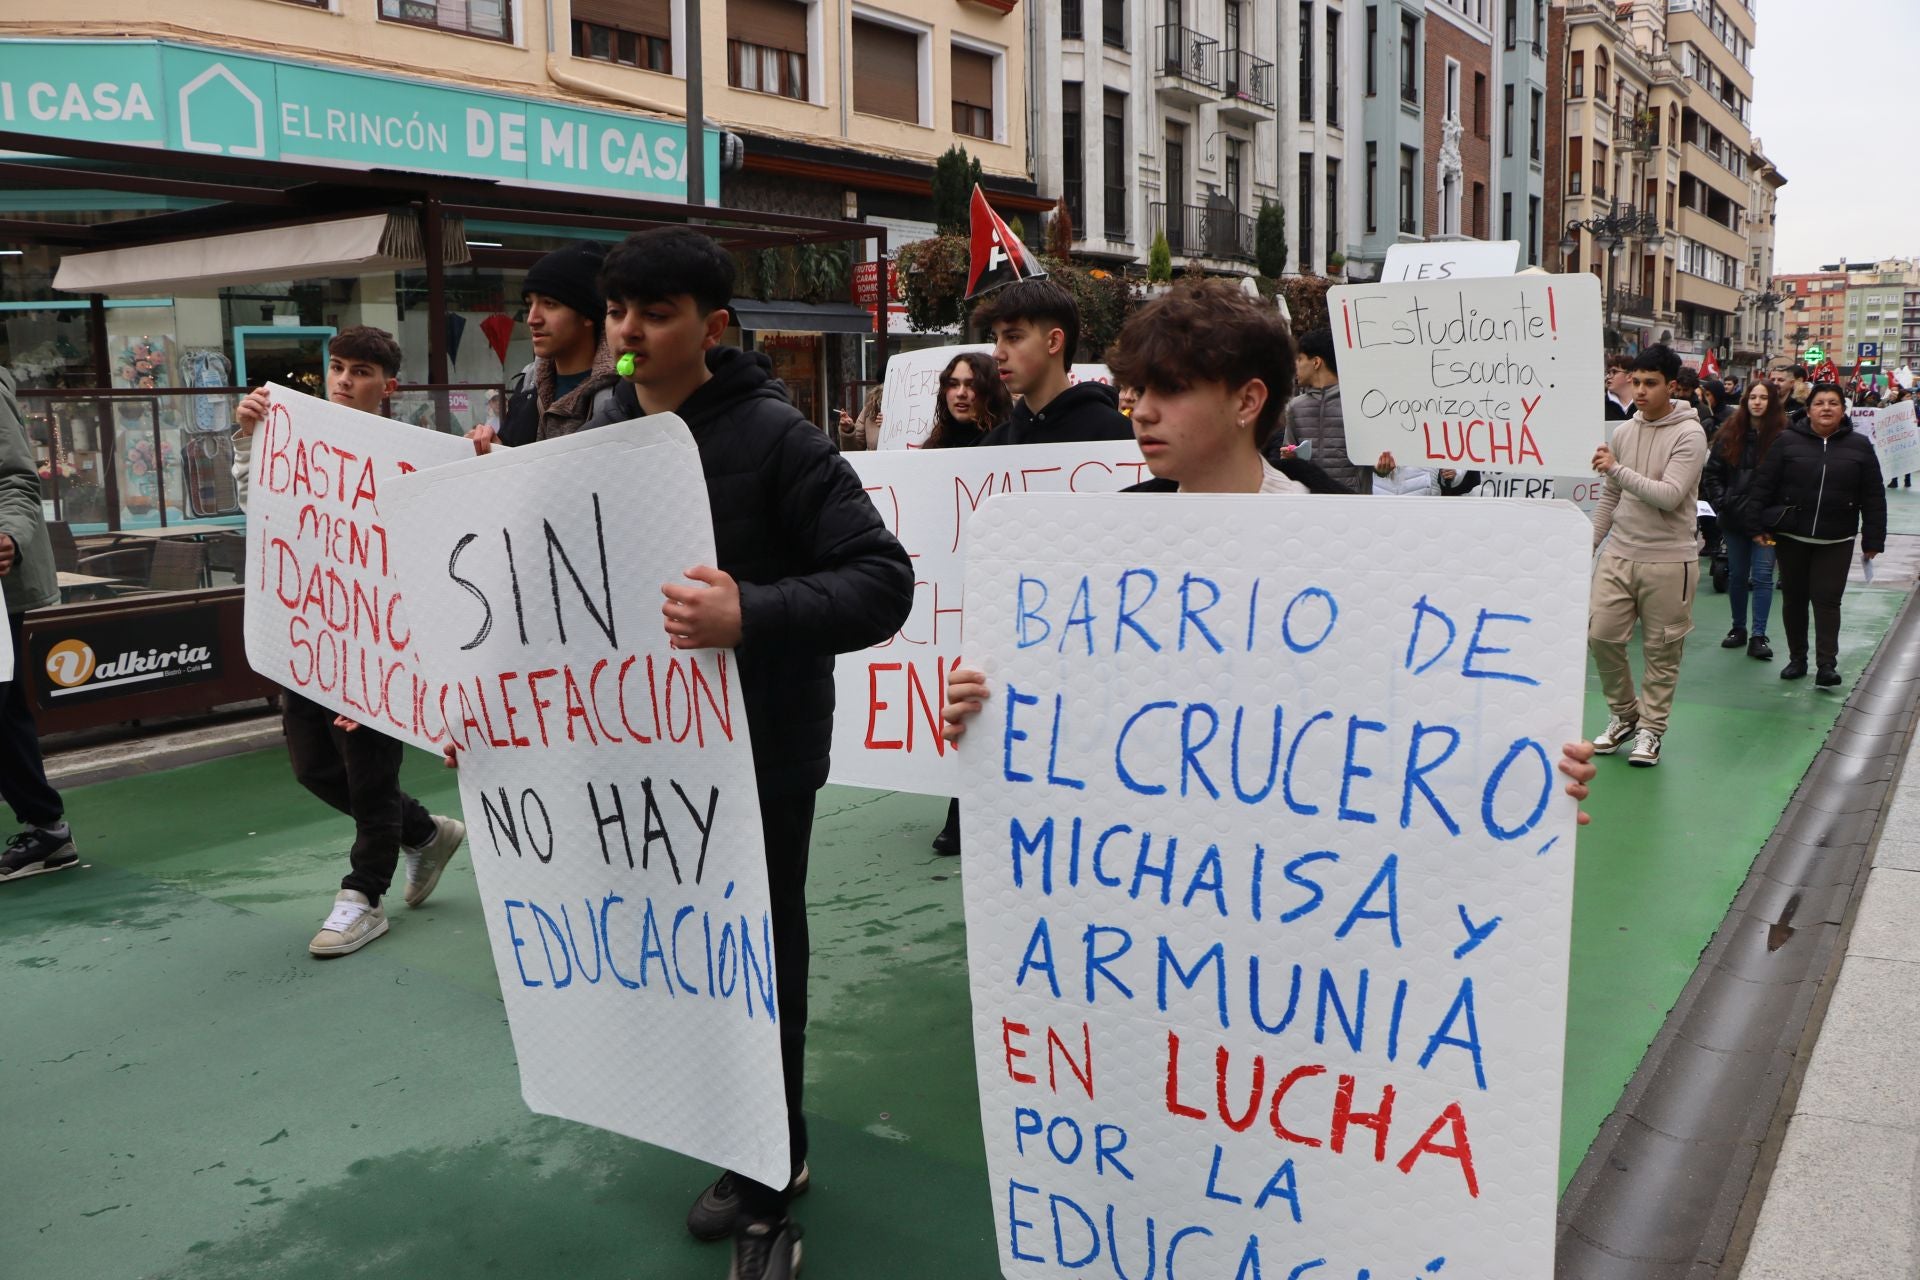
[{"x": 624, "y": 365}]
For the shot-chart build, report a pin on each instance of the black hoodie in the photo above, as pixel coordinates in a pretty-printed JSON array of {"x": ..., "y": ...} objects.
[
  {"x": 1822, "y": 489},
  {"x": 1084, "y": 411},
  {"x": 819, "y": 574}
]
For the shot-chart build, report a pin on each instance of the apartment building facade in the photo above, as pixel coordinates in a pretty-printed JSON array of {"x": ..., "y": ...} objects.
[
  {"x": 1813, "y": 312},
  {"x": 1711, "y": 43},
  {"x": 1873, "y": 337},
  {"x": 843, "y": 111},
  {"x": 1756, "y": 333},
  {"x": 1320, "y": 149},
  {"x": 1615, "y": 161},
  {"x": 1160, "y": 120}
]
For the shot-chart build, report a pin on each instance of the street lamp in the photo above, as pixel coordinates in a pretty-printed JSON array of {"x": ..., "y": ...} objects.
[
  {"x": 1613, "y": 229},
  {"x": 1766, "y": 304}
]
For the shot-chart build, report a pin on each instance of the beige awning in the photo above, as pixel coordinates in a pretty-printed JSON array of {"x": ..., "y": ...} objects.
[{"x": 338, "y": 247}]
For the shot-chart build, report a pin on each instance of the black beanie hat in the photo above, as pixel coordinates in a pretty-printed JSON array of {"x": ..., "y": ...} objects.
[{"x": 571, "y": 275}]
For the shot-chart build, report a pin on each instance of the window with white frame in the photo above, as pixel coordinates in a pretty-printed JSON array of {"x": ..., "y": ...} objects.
[
  {"x": 978, "y": 78},
  {"x": 891, "y": 67}
]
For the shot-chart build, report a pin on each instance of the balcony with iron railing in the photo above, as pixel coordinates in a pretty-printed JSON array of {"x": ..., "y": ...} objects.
[
  {"x": 1247, "y": 84},
  {"x": 1626, "y": 302},
  {"x": 1219, "y": 232},
  {"x": 1187, "y": 69}
]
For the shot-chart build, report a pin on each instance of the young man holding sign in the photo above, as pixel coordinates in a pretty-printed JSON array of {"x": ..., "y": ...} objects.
[
  {"x": 805, "y": 570},
  {"x": 353, "y": 768},
  {"x": 1646, "y": 537}
]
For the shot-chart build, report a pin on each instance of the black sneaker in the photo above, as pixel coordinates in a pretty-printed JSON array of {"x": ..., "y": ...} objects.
[
  {"x": 766, "y": 1251},
  {"x": 1796, "y": 669},
  {"x": 1735, "y": 638},
  {"x": 1827, "y": 677},
  {"x": 34, "y": 852},
  {"x": 1759, "y": 648},
  {"x": 716, "y": 1213}
]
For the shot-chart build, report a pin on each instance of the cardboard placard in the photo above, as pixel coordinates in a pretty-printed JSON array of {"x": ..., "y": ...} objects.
[
  {"x": 1450, "y": 260},
  {"x": 1583, "y": 492},
  {"x": 325, "y": 614},
  {"x": 608, "y": 785},
  {"x": 912, "y": 391},
  {"x": 886, "y": 723},
  {"x": 1269, "y": 880},
  {"x": 1501, "y": 373},
  {"x": 1895, "y": 435}
]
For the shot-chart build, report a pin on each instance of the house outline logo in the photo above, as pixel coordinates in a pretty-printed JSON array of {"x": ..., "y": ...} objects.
[{"x": 219, "y": 71}]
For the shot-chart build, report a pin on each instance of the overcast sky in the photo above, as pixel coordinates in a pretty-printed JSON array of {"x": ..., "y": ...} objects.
[{"x": 1829, "y": 103}]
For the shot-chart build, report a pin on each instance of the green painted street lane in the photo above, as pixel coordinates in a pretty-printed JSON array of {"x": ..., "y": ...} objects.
[{"x": 191, "y": 1095}]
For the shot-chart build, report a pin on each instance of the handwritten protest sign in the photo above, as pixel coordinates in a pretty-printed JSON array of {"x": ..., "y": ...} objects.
[
  {"x": 1269, "y": 879},
  {"x": 912, "y": 391},
  {"x": 1583, "y": 491},
  {"x": 886, "y": 724},
  {"x": 325, "y": 614},
  {"x": 1501, "y": 373},
  {"x": 1895, "y": 436},
  {"x": 1450, "y": 259},
  {"x": 608, "y": 784}
]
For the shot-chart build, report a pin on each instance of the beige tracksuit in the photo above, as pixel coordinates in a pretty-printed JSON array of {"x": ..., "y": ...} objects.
[{"x": 1649, "y": 568}]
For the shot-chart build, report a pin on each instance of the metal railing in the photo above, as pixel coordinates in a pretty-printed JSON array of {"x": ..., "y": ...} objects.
[
  {"x": 1217, "y": 231},
  {"x": 1188, "y": 55},
  {"x": 1628, "y": 303},
  {"x": 1248, "y": 78}
]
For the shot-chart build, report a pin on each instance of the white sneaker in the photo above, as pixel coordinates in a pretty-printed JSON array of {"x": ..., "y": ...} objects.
[
  {"x": 354, "y": 923},
  {"x": 1615, "y": 735},
  {"x": 1646, "y": 749},
  {"x": 425, "y": 864}
]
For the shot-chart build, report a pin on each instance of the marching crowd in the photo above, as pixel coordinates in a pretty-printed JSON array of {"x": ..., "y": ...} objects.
[{"x": 1220, "y": 397}]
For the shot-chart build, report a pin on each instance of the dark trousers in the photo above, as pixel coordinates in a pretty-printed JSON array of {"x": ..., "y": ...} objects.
[
  {"x": 786, "y": 818},
  {"x": 1816, "y": 572},
  {"x": 23, "y": 774},
  {"x": 357, "y": 773}
]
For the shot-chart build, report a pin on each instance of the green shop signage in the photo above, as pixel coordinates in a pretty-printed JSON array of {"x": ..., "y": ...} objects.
[{"x": 195, "y": 99}]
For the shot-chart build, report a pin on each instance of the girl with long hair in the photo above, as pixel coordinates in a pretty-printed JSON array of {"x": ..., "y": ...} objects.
[
  {"x": 973, "y": 401},
  {"x": 1727, "y": 484}
]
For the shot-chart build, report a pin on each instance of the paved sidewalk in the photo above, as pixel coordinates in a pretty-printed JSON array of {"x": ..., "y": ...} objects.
[{"x": 1844, "y": 1200}]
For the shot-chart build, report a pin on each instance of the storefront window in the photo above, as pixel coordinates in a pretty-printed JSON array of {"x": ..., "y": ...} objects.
[{"x": 797, "y": 361}]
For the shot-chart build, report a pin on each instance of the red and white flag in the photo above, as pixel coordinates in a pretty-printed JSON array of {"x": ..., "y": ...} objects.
[
  {"x": 998, "y": 256},
  {"x": 1710, "y": 366}
]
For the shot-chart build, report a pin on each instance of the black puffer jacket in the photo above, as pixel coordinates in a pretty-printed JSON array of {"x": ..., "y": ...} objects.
[
  {"x": 1818, "y": 488},
  {"x": 1728, "y": 486},
  {"x": 819, "y": 574},
  {"x": 1084, "y": 411}
]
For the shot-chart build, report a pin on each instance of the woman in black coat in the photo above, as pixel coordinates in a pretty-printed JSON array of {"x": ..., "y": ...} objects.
[{"x": 1818, "y": 487}]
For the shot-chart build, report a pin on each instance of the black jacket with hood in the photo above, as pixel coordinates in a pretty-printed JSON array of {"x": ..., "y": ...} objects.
[
  {"x": 1084, "y": 411},
  {"x": 1817, "y": 488},
  {"x": 819, "y": 574}
]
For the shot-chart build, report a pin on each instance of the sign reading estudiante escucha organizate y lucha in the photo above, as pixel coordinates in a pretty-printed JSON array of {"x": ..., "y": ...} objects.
[{"x": 199, "y": 100}]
